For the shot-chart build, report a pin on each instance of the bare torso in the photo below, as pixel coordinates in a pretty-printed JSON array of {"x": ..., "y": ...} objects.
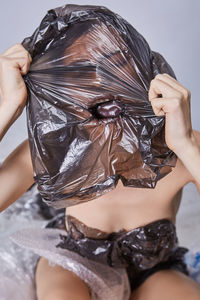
[{"x": 128, "y": 208}]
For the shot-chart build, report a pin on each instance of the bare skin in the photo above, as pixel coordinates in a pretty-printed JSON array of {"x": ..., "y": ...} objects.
[
  {"x": 158, "y": 203},
  {"x": 132, "y": 207}
]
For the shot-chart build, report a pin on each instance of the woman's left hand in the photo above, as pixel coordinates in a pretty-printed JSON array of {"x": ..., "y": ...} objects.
[{"x": 175, "y": 105}]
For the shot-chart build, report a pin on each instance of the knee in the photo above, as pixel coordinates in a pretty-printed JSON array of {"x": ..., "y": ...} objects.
[
  {"x": 166, "y": 285},
  {"x": 63, "y": 295},
  {"x": 57, "y": 283}
]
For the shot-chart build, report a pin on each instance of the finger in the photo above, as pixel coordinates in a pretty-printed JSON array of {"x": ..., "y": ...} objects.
[
  {"x": 158, "y": 86},
  {"x": 165, "y": 76},
  {"x": 20, "y": 54},
  {"x": 24, "y": 67},
  {"x": 162, "y": 106},
  {"x": 21, "y": 63},
  {"x": 16, "y": 51},
  {"x": 173, "y": 83}
]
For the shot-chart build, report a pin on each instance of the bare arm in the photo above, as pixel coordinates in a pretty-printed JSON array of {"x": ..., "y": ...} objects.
[
  {"x": 190, "y": 156},
  {"x": 8, "y": 116},
  {"x": 16, "y": 172},
  {"x": 16, "y": 175},
  {"x": 14, "y": 63},
  {"x": 179, "y": 135}
]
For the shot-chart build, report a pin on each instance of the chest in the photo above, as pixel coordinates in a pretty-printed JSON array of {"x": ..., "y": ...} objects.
[{"x": 128, "y": 207}]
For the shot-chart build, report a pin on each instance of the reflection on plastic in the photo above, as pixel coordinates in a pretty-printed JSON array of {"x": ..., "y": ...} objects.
[
  {"x": 24, "y": 224},
  {"x": 23, "y": 239},
  {"x": 90, "y": 122}
]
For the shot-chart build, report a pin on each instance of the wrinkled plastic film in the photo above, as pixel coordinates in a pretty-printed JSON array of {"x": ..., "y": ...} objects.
[
  {"x": 90, "y": 122},
  {"x": 23, "y": 223},
  {"x": 102, "y": 280},
  {"x": 24, "y": 238},
  {"x": 142, "y": 251},
  {"x": 151, "y": 244},
  {"x": 18, "y": 264}
]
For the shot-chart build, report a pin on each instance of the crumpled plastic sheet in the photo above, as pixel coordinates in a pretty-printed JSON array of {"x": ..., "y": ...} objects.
[
  {"x": 24, "y": 239},
  {"x": 89, "y": 119},
  {"x": 104, "y": 282},
  {"x": 18, "y": 262}
]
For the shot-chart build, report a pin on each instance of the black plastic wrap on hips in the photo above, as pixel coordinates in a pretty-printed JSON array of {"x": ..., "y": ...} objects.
[
  {"x": 89, "y": 119},
  {"x": 140, "y": 248}
]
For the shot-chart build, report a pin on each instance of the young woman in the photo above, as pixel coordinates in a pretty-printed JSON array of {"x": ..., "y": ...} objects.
[{"x": 149, "y": 204}]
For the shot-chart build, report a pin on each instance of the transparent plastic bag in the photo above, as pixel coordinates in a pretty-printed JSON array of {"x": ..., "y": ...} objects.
[{"x": 90, "y": 122}]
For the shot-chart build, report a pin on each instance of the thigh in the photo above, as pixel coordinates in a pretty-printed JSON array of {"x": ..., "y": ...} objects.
[
  {"x": 57, "y": 283},
  {"x": 167, "y": 285}
]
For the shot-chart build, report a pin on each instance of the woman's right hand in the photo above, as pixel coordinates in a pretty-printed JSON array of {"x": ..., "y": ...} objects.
[{"x": 14, "y": 63}]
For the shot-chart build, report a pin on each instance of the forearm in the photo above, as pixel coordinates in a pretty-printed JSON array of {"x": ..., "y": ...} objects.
[
  {"x": 8, "y": 115},
  {"x": 190, "y": 156}
]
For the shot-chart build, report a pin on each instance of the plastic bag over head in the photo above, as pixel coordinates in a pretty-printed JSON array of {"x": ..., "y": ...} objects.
[{"x": 90, "y": 122}]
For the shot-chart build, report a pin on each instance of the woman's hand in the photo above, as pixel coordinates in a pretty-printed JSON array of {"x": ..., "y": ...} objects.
[
  {"x": 175, "y": 105},
  {"x": 14, "y": 63}
]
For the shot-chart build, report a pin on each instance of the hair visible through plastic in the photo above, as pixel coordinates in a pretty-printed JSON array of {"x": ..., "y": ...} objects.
[{"x": 89, "y": 119}]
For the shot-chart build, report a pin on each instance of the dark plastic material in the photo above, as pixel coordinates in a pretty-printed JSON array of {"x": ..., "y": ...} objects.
[
  {"x": 142, "y": 251},
  {"x": 90, "y": 122}
]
